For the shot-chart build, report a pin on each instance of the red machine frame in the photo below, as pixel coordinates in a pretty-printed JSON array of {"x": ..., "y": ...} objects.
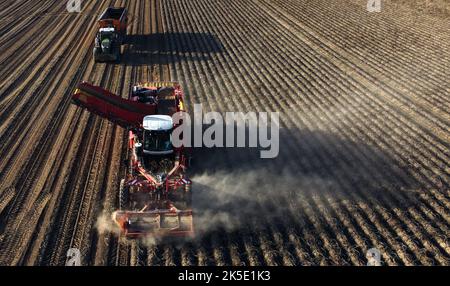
[{"x": 130, "y": 113}]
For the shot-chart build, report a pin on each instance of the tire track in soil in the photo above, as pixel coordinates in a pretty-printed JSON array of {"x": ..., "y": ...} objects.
[{"x": 31, "y": 193}]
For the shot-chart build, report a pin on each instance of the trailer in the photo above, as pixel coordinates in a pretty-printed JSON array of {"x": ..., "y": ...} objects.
[{"x": 111, "y": 34}]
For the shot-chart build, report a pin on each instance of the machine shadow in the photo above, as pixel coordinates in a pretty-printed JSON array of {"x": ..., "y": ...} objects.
[
  {"x": 164, "y": 48},
  {"x": 234, "y": 188}
]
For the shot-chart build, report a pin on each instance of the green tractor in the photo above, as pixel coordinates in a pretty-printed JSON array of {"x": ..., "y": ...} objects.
[{"x": 111, "y": 34}]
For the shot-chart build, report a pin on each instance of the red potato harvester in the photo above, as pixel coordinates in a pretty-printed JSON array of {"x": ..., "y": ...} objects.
[{"x": 155, "y": 195}]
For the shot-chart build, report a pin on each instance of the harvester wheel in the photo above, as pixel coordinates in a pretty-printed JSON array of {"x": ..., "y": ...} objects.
[{"x": 123, "y": 195}]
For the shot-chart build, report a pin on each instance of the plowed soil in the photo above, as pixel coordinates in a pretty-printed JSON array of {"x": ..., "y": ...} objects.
[{"x": 364, "y": 102}]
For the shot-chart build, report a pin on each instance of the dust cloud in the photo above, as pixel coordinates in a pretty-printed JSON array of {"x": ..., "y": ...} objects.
[
  {"x": 105, "y": 224},
  {"x": 230, "y": 200},
  {"x": 234, "y": 200}
]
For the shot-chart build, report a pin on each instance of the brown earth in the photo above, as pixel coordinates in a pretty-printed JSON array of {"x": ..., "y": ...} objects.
[{"x": 364, "y": 100}]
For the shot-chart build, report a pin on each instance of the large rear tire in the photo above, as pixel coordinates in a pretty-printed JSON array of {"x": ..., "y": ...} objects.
[{"x": 95, "y": 55}]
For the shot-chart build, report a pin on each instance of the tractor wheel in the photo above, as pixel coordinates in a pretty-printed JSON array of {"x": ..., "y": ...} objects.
[
  {"x": 123, "y": 195},
  {"x": 95, "y": 55}
]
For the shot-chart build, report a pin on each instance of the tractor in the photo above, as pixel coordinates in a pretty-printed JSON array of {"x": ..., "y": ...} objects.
[{"x": 111, "y": 34}]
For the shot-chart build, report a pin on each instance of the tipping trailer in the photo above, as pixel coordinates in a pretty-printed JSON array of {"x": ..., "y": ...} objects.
[
  {"x": 111, "y": 34},
  {"x": 155, "y": 194}
]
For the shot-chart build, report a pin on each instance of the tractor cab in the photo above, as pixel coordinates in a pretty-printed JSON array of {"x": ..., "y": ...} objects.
[
  {"x": 157, "y": 138},
  {"x": 105, "y": 37}
]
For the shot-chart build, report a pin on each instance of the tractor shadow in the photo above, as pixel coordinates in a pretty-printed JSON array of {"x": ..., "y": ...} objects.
[
  {"x": 167, "y": 48},
  {"x": 234, "y": 187}
]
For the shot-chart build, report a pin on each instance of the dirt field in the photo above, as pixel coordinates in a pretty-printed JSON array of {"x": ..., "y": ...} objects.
[{"x": 364, "y": 102}]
